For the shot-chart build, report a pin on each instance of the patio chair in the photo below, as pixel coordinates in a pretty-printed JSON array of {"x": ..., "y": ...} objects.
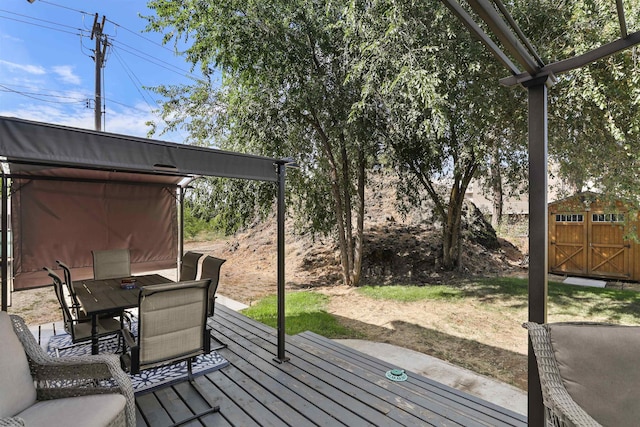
[
  {"x": 75, "y": 305},
  {"x": 79, "y": 328},
  {"x": 211, "y": 270},
  {"x": 588, "y": 373},
  {"x": 172, "y": 327},
  {"x": 189, "y": 267},
  {"x": 111, "y": 263},
  {"x": 39, "y": 390}
]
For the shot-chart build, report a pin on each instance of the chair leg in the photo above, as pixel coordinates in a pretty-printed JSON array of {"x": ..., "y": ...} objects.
[
  {"x": 213, "y": 406},
  {"x": 221, "y": 344}
]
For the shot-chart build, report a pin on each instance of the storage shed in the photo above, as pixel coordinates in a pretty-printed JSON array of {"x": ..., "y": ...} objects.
[{"x": 587, "y": 238}]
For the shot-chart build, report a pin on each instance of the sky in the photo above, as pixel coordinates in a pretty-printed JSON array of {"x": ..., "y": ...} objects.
[{"x": 47, "y": 72}]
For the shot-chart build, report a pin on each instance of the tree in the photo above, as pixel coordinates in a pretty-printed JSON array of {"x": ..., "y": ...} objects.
[
  {"x": 446, "y": 115},
  {"x": 284, "y": 92},
  {"x": 594, "y": 111}
]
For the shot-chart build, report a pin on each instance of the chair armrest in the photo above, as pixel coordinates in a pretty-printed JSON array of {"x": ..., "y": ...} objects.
[
  {"x": 130, "y": 360},
  {"x": 562, "y": 410},
  {"x": 11, "y": 422},
  {"x": 74, "y": 376}
]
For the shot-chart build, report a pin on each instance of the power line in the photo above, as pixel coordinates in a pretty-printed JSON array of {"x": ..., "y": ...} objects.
[
  {"x": 141, "y": 36},
  {"x": 65, "y": 7},
  {"x": 44, "y": 26},
  {"x": 131, "y": 76},
  {"x": 35, "y": 96},
  {"x": 38, "y": 19},
  {"x": 152, "y": 59}
]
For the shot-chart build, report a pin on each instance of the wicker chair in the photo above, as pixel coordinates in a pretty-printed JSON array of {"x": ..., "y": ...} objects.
[
  {"x": 37, "y": 389},
  {"x": 588, "y": 373}
]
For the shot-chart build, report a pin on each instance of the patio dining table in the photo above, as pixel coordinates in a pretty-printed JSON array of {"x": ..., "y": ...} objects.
[{"x": 111, "y": 295}]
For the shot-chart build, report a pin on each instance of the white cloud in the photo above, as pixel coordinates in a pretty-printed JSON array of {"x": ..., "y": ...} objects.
[
  {"x": 125, "y": 121},
  {"x": 66, "y": 74},
  {"x": 31, "y": 69},
  {"x": 74, "y": 117}
]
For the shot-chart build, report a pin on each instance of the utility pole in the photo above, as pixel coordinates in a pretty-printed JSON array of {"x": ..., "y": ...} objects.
[{"x": 99, "y": 53}]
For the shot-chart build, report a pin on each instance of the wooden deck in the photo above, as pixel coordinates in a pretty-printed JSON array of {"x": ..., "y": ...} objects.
[{"x": 323, "y": 384}]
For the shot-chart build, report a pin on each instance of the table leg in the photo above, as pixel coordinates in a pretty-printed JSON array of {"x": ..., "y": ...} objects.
[{"x": 94, "y": 334}]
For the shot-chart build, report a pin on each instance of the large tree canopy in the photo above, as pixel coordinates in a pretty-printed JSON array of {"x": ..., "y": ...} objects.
[
  {"x": 594, "y": 119},
  {"x": 448, "y": 121},
  {"x": 334, "y": 84},
  {"x": 284, "y": 93}
]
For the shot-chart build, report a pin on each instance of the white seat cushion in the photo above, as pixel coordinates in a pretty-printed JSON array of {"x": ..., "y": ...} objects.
[
  {"x": 95, "y": 410},
  {"x": 17, "y": 391}
]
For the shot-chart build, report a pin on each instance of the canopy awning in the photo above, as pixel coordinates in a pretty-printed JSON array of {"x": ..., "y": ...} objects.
[
  {"x": 75, "y": 190},
  {"x": 25, "y": 144}
]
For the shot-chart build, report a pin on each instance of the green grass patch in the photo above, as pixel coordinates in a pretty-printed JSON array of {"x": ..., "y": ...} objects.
[
  {"x": 565, "y": 302},
  {"x": 305, "y": 311},
  {"x": 411, "y": 293}
]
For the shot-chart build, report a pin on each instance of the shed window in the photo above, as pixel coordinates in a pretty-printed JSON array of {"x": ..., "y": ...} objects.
[
  {"x": 607, "y": 217},
  {"x": 569, "y": 218}
]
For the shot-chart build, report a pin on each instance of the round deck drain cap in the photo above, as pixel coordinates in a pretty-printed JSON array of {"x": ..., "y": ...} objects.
[{"x": 396, "y": 375}]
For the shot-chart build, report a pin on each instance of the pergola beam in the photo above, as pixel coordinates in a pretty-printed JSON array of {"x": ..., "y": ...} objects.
[
  {"x": 621, "y": 19},
  {"x": 577, "y": 61},
  {"x": 468, "y": 21},
  {"x": 490, "y": 16},
  {"x": 518, "y": 31}
]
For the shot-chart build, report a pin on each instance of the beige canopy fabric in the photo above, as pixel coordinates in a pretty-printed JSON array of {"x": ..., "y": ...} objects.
[{"x": 67, "y": 220}]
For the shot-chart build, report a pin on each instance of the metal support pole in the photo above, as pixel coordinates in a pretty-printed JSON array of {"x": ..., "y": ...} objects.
[
  {"x": 180, "y": 231},
  {"x": 538, "y": 234},
  {"x": 5, "y": 244},
  {"x": 281, "y": 310}
]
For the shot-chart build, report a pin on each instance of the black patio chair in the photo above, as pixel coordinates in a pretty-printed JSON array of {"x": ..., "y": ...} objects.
[
  {"x": 211, "y": 270},
  {"x": 189, "y": 267},
  {"x": 111, "y": 263},
  {"x": 79, "y": 328},
  {"x": 172, "y": 327},
  {"x": 77, "y": 307},
  {"x": 75, "y": 304}
]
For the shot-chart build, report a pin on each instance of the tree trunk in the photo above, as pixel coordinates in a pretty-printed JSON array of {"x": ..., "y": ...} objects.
[
  {"x": 358, "y": 244},
  {"x": 451, "y": 244},
  {"x": 348, "y": 226},
  {"x": 496, "y": 188},
  {"x": 451, "y": 231}
]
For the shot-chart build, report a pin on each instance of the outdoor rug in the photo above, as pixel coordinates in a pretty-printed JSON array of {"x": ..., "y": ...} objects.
[{"x": 147, "y": 380}]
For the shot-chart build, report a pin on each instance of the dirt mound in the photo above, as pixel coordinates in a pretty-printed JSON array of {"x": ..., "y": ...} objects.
[{"x": 397, "y": 249}]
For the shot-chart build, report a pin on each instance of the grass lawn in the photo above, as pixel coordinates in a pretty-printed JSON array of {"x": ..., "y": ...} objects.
[
  {"x": 475, "y": 324},
  {"x": 305, "y": 311}
]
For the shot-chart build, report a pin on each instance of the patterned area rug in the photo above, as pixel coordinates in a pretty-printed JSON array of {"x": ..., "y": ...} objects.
[{"x": 147, "y": 380}]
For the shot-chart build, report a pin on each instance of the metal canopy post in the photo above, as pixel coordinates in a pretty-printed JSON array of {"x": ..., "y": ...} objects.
[
  {"x": 180, "y": 231},
  {"x": 281, "y": 310},
  {"x": 538, "y": 230},
  {"x": 5, "y": 243}
]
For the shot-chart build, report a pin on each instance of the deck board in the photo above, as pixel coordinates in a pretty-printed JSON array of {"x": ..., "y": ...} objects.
[{"x": 324, "y": 383}]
